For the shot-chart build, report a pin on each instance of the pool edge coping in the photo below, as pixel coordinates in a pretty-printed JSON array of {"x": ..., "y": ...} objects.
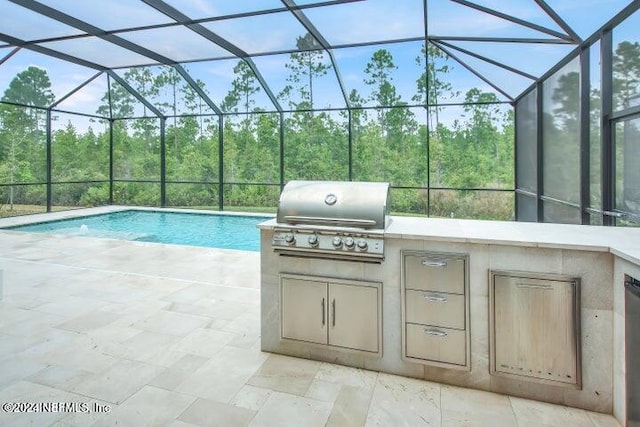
[{"x": 20, "y": 220}]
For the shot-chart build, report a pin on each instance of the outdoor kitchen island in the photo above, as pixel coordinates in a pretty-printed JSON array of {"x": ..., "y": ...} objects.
[{"x": 598, "y": 256}]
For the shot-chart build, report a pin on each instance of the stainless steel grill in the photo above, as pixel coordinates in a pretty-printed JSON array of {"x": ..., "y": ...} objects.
[{"x": 332, "y": 219}]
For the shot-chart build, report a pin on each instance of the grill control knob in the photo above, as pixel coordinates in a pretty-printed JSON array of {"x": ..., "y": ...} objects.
[
  {"x": 337, "y": 242},
  {"x": 362, "y": 245},
  {"x": 349, "y": 243},
  {"x": 290, "y": 239},
  {"x": 313, "y": 241}
]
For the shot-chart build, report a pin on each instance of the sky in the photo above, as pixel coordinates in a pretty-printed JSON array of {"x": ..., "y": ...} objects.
[{"x": 364, "y": 21}]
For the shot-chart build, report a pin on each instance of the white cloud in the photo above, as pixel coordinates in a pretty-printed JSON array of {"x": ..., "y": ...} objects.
[{"x": 85, "y": 100}]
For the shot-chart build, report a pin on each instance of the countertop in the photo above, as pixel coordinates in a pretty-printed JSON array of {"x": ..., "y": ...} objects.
[{"x": 623, "y": 242}]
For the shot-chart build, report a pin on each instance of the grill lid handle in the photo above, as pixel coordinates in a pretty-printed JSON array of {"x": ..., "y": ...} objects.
[{"x": 329, "y": 221}]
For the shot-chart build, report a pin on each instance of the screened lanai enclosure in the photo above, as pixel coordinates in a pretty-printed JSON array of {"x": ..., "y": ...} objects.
[{"x": 523, "y": 110}]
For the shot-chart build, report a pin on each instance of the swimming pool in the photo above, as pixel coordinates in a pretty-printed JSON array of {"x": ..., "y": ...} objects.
[{"x": 195, "y": 229}]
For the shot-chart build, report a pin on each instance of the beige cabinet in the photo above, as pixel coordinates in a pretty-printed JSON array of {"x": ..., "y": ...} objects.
[
  {"x": 435, "y": 308},
  {"x": 333, "y": 312}
]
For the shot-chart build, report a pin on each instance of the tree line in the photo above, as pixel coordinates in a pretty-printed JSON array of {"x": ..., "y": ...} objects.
[{"x": 394, "y": 142}]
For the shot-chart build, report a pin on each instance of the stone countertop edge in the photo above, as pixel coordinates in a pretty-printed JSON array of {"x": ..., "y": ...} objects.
[{"x": 622, "y": 242}]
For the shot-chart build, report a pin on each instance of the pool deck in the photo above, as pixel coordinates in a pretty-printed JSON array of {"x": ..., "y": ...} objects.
[{"x": 169, "y": 335}]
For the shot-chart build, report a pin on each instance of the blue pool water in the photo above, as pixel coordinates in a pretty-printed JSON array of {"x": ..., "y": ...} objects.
[{"x": 214, "y": 231}]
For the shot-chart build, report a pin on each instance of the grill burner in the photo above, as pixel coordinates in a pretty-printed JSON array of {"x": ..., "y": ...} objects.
[{"x": 332, "y": 219}]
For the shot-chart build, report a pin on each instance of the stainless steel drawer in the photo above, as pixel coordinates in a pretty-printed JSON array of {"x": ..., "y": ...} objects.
[
  {"x": 434, "y": 273},
  {"x": 435, "y": 308},
  {"x": 436, "y": 344}
]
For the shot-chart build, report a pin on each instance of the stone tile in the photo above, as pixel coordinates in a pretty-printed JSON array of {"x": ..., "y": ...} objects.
[
  {"x": 597, "y": 362},
  {"x": 595, "y": 270},
  {"x": 235, "y": 294},
  {"x": 282, "y": 410},
  {"x": 474, "y": 402},
  {"x": 115, "y": 293},
  {"x": 190, "y": 294},
  {"x": 10, "y": 315},
  {"x": 351, "y": 407},
  {"x": 528, "y": 423},
  {"x": 71, "y": 306},
  {"x": 18, "y": 368},
  {"x": 119, "y": 382},
  {"x": 35, "y": 325},
  {"x": 24, "y": 298},
  {"x": 138, "y": 311},
  {"x": 467, "y": 419},
  {"x": 229, "y": 370},
  {"x": 69, "y": 349},
  {"x": 170, "y": 323},
  {"x": 159, "y": 286},
  {"x": 211, "y": 308},
  {"x": 11, "y": 345},
  {"x": 62, "y": 377},
  {"x": 326, "y": 391},
  {"x": 245, "y": 339},
  {"x": 89, "y": 321},
  {"x": 148, "y": 347},
  {"x": 207, "y": 413},
  {"x": 619, "y": 367},
  {"x": 603, "y": 420},
  {"x": 547, "y": 414},
  {"x": 251, "y": 397},
  {"x": 173, "y": 376},
  {"x": 286, "y": 374},
  {"x": 25, "y": 391},
  {"x": 204, "y": 342},
  {"x": 133, "y": 359},
  {"x": 404, "y": 401},
  {"x": 150, "y": 406},
  {"x": 245, "y": 323},
  {"x": 346, "y": 375},
  {"x": 111, "y": 334},
  {"x": 540, "y": 260},
  {"x": 178, "y": 423}
]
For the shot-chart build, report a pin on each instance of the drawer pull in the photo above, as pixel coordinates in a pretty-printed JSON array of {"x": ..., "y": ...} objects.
[
  {"x": 434, "y": 263},
  {"x": 434, "y": 298},
  {"x": 435, "y": 333}
]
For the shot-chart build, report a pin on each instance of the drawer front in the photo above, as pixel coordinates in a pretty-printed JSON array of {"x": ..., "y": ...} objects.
[
  {"x": 436, "y": 344},
  {"x": 433, "y": 308},
  {"x": 433, "y": 273}
]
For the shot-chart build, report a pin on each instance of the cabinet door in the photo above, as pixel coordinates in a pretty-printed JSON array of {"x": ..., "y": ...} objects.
[
  {"x": 535, "y": 328},
  {"x": 304, "y": 310},
  {"x": 354, "y": 321}
]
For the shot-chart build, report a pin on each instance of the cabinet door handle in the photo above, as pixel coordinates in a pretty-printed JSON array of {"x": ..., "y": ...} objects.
[
  {"x": 534, "y": 286},
  {"x": 434, "y": 263},
  {"x": 434, "y": 298},
  {"x": 435, "y": 333},
  {"x": 322, "y": 312},
  {"x": 333, "y": 309}
]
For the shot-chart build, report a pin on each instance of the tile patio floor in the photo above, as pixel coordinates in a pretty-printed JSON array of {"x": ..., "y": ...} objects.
[{"x": 169, "y": 335}]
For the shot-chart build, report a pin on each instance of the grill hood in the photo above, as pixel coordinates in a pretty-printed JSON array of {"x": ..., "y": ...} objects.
[{"x": 335, "y": 203}]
